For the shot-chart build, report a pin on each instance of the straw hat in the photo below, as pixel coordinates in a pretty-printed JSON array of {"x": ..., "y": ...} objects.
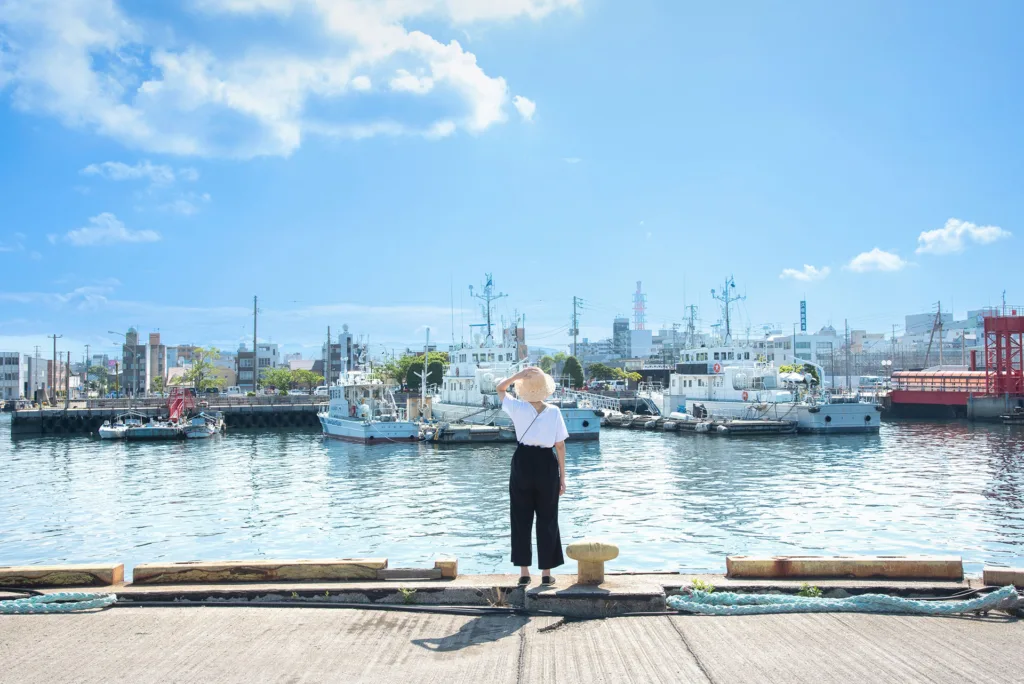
[{"x": 535, "y": 387}]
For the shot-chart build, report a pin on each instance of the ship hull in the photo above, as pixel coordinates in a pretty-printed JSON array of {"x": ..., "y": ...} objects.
[
  {"x": 817, "y": 419},
  {"x": 582, "y": 424},
  {"x": 369, "y": 432}
]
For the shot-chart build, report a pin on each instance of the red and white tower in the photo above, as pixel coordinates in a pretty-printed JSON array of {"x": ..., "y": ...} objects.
[{"x": 639, "y": 308}]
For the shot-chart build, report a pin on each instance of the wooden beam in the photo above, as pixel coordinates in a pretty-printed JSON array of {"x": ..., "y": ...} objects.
[
  {"x": 846, "y": 567},
  {"x": 1001, "y": 577},
  {"x": 259, "y": 571},
  {"x": 35, "y": 576}
]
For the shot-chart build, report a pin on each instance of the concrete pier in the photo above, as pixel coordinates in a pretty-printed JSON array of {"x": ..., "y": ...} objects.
[
  {"x": 242, "y": 644},
  {"x": 238, "y": 415}
]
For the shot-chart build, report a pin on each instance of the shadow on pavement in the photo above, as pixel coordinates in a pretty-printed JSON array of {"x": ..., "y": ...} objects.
[{"x": 479, "y": 630}]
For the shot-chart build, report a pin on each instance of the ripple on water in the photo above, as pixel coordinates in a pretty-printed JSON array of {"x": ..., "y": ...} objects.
[{"x": 669, "y": 501}]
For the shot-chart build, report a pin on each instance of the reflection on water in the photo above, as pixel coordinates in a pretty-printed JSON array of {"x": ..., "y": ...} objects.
[{"x": 669, "y": 501}]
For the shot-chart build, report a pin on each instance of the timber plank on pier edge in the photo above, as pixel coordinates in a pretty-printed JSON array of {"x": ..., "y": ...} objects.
[
  {"x": 1001, "y": 577},
  {"x": 32, "y": 576},
  {"x": 856, "y": 567},
  {"x": 258, "y": 571}
]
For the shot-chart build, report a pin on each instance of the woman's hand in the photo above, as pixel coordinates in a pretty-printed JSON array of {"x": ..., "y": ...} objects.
[{"x": 561, "y": 486}]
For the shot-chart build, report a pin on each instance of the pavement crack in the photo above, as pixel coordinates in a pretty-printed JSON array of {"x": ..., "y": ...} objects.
[
  {"x": 550, "y": 628},
  {"x": 689, "y": 649},
  {"x": 521, "y": 665}
]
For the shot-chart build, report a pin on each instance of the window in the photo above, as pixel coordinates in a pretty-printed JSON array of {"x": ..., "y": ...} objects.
[
  {"x": 803, "y": 345},
  {"x": 746, "y": 355},
  {"x": 716, "y": 356},
  {"x": 730, "y": 356},
  {"x": 490, "y": 357},
  {"x": 476, "y": 357}
]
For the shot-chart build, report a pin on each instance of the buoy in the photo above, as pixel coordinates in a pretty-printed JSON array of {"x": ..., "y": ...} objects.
[
  {"x": 745, "y": 395},
  {"x": 718, "y": 368}
]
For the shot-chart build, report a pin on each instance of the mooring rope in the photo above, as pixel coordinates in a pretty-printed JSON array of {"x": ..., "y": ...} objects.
[
  {"x": 728, "y": 603},
  {"x": 59, "y": 602}
]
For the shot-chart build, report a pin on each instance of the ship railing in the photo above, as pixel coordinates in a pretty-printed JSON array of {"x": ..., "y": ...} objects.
[{"x": 589, "y": 399}]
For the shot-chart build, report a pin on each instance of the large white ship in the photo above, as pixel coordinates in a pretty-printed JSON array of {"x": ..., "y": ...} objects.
[
  {"x": 468, "y": 390},
  {"x": 758, "y": 390},
  {"x": 364, "y": 410}
]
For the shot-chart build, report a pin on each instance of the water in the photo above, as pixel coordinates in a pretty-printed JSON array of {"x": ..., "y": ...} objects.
[{"x": 671, "y": 502}]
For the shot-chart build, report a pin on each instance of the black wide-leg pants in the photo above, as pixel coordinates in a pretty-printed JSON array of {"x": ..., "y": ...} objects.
[{"x": 533, "y": 489}]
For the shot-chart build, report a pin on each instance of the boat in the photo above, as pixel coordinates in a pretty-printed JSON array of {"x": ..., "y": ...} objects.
[
  {"x": 468, "y": 391},
  {"x": 204, "y": 425},
  {"x": 134, "y": 426},
  {"x": 758, "y": 391},
  {"x": 361, "y": 409}
]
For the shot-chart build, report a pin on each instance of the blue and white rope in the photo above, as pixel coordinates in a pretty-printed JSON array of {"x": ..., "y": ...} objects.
[
  {"x": 59, "y": 602},
  {"x": 727, "y": 603}
]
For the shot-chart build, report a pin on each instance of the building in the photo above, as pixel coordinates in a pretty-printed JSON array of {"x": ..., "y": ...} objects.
[
  {"x": 156, "y": 361},
  {"x": 10, "y": 376},
  {"x": 601, "y": 351},
  {"x": 34, "y": 377},
  {"x": 620, "y": 337},
  {"x": 921, "y": 324},
  {"x": 344, "y": 355},
  {"x": 133, "y": 364},
  {"x": 244, "y": 369},
  {"x": 641, "y": 343},
  {"x": 267, "y": 355},
  {"x": 303, "y": 364},
  {"x": 101, "y": 360},
  {"x": 294, "y": 356}
]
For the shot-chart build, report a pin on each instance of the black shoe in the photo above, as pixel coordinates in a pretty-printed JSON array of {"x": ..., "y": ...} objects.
[
  {"x": 523, "y": 581},
  {"x": 547, "y": 579}
]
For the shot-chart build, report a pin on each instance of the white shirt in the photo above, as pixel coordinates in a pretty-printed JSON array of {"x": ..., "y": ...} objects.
[{"x": 546, "y": 431}]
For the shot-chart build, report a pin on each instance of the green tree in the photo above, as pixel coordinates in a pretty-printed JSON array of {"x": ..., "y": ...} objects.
[
  {"x": 599, "y": 371},
  {"x": 412, "y": 375},
  {"x": 307, "y": 379},
  {"x": 400, "y": 371},
  {"x": 435, "y": 373},
  {"x": 97, "y": 379},
  {"x": 574, "y": 371},
  {"x": 201, "y": 374},
  {"x": 546, "y": 363},
  {"x": 157, "y": 384},
  {"x": 560, "y": 357},
  {"x": 279, "y": 378}
]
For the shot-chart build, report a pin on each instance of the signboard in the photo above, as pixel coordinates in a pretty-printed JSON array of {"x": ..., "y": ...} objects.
[{"x": 803, "y": 316}]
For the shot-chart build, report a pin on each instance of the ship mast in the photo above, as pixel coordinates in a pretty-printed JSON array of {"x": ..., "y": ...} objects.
[
  {"x": 727, "y": 298},
  {"x": 487, "y": 297}
]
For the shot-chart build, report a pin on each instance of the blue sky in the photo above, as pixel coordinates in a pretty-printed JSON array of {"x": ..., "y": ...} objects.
[{"x": 363, "y": 162}]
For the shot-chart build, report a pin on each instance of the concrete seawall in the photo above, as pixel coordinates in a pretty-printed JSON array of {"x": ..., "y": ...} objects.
[{"x": 88, "y": 420}]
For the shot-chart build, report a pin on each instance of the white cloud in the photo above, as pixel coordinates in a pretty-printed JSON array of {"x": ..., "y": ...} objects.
[
  {"x": 403, "y": 81},
  {"x": 89, "y": 64},
  {"x": 876, "y": 260},
  {"x": 951, "y": 237},
  {"x": 807, "y": 274},
  {"x": 525, "y": 106},
  {"x": 571, "y": 160},
  {"x": 187, "y": 204},
  {"x": 119, "y": 171},
  {"x": 106, "y": 229}
]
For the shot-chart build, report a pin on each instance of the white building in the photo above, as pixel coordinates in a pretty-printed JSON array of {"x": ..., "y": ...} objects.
[
  {"x": 267, "y": 355},
  {"x": 641, "y": 342},
  {"x": 10, "y": 376}
]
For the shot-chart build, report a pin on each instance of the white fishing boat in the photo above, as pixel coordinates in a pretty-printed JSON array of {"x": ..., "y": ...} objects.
[
  {"x": 203, "y": 426},
  {"x": 759, "y": 391},
  {"x": 364, "y": 410},
  {"x": 468, "y": 391}
]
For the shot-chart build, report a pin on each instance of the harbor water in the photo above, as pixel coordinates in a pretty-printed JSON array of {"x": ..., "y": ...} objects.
[{"x": 671, "y": 502}]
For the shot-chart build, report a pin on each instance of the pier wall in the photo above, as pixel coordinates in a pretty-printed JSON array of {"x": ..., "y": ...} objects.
[{"x": 236, "y": 417}]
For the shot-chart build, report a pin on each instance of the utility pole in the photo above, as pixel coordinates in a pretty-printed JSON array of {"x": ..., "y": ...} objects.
[
  {"x": 327, "y": 357},
  {"x": 487, "y": 297},
  {"x": 728, "y": 298},
  {"x": 691, "y": 328},
  {"x": 53, "y": 370},
  {"x": 255, "y": 354},
  {"x": 847, "y": 335},
  {"x": 575, "y": 328},
  {"x": 892, "y": 363},
  {"x": 936, "y": 324},
  {"x": 67, "y": 383}
]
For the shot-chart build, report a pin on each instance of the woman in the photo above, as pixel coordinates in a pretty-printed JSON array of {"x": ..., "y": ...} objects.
[{"x": 538, "y": 477}]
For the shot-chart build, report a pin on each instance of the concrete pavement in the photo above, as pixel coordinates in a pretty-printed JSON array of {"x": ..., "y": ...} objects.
[{"x": 249, "y": 644}]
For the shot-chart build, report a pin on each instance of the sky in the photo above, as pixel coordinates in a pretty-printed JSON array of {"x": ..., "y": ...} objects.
[{"x": 363, "y": 162}]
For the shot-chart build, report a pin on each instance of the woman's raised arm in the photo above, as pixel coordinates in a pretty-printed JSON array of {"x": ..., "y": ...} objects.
[{"x": 507, "y": 382}]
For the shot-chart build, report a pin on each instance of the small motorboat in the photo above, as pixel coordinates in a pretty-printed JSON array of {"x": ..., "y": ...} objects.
[{"x": 204, "y": 426}]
